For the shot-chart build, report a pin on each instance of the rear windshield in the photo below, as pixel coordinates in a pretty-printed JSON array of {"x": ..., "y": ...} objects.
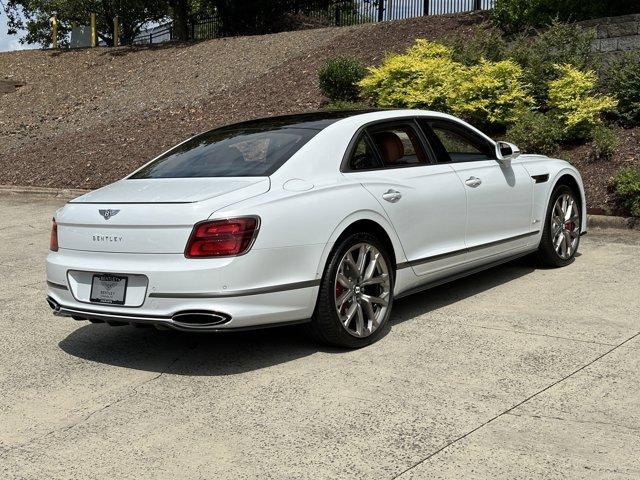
[{"x": 229, "y": 152}]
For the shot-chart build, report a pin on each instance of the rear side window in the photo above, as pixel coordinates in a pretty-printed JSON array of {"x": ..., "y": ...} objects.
[
  {"x": 229, "y": 152},
  {"x": 364, "y": 156},
  {"x": 388, "y": 146},
  {"x": 398, "y": 146}
]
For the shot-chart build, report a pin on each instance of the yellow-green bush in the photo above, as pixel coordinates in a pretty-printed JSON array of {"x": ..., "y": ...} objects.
[
  {"x": 421, "y": 78},
  {"x": 491, "y": 92},
  {"x": 426, "y": 76},
  {"x": 573, "y": 101}
]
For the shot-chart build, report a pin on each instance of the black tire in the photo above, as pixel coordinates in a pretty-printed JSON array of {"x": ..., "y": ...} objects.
[
  {"x": 325, "y": 325},
  {"x": 547, "y": 254}
]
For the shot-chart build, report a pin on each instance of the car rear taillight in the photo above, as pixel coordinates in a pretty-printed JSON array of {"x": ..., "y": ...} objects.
[
  {"x": 53, "y": 242},
  {"x": 222, "y": 238}
]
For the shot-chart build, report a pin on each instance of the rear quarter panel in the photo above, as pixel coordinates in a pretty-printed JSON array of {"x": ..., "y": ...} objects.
[{"x": 316, "y": 217}]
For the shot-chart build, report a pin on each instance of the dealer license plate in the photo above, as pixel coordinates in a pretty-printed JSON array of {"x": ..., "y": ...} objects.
[{"x": 110, "y": 289}]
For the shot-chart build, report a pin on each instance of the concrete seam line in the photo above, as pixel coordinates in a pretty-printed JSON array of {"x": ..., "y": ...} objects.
[
  {"x": 514, "y": 407},
  {"x": 585, "y": 422},
  {"x": 536, "y": 334}
]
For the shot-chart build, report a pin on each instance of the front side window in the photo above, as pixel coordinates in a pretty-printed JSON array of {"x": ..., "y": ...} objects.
[
  {"x": 229, "y": 152},
  {"x": 453, "y": 144}
]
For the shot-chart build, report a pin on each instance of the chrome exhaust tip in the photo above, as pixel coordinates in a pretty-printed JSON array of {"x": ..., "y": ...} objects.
[{"x": 199, "y": 319}]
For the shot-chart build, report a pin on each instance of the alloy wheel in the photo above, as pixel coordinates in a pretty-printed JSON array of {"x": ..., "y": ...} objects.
[
  {"x": 362, "y": 288},
  {"x": 565, "y": 226}
]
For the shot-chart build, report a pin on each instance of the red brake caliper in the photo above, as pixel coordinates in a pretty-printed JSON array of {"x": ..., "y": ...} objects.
[{"x": 339, "y": 291}]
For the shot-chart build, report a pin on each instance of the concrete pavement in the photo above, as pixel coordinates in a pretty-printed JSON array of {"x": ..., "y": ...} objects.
[{"x": 516, "y": 372}]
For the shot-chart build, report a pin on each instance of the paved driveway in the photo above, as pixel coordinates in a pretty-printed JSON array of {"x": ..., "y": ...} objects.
[{"x": 516, "y": 372}]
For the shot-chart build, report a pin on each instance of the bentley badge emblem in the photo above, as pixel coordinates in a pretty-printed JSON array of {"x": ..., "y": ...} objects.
[{"x": 107, "y": 214}]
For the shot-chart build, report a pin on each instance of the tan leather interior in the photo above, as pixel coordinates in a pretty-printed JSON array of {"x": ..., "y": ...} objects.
[{"x": 390, "y": 146}]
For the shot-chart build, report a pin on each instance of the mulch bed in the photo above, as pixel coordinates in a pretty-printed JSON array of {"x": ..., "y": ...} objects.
[{"x": 597, "y": 174}]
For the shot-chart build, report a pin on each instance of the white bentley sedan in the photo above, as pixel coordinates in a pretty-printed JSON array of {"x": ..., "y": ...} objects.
[{"x": 323, "y": 218}]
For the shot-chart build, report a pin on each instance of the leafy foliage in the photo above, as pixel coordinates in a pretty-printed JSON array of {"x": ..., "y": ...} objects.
[
  {"x": 342, "y": 105},
  {"x": 627, "y": 187},
  {"x": 605, "y": 142},
  {"x": 561, "y": 43},
  {"x": 515, "y": 15},
  {"x": 34, "y": 15},
  {"x": 339, "y": 78},
  {"x": 485, "y": 42},
  {"x": 575, "y": 104},
  {"x": 427, "y": 76},
  {"x": 421, "y": 78},
  {"x": 490, "y": 93},
  {"x": 535, "y": 132},
  {"x": 622, "y": 80}
]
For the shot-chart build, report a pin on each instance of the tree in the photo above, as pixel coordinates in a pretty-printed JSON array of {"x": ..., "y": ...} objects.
[
  {"x": 180, "y": 10},
  {"x": 34, "y": 16}
]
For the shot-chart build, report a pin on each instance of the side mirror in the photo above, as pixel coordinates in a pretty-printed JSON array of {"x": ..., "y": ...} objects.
[{"x": 506, "y": 152}]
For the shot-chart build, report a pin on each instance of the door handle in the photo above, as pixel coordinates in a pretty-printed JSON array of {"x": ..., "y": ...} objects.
[
  {"x": 392, "y": 196},
  {"x": 473, "y": 182}
]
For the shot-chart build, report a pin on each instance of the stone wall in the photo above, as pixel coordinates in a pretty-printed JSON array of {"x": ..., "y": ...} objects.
[{"x": 615, "y": 34}]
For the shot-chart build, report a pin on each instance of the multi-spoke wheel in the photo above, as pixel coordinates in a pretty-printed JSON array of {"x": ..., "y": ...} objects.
[
  {"x": 356, "y": 293},
  {"x": 565, "y": 226},
  {"x": 362, "y": 288},
  {"x": 561, "y": 234}
]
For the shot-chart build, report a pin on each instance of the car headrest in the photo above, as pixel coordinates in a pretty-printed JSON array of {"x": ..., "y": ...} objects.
[{"x": 390, "y": 146}]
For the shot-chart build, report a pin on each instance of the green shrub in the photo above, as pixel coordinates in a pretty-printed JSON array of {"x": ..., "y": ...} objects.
[
  {"x": 485, "y": 42},
  {"x": 515, "y": 15},
  {"x": 573, "y": 101},
  {"x": 559, "y": 44},
  {"x": 535, "y": 132},
  {"x": 605, "y": 142},
  {"x": 339, "y": 78},
  {"x": 622, "y": 81},
  {"x": 427, "y": 76},
  {"x": 627, "y": 187},
  {"x": 342, "y": 105}
]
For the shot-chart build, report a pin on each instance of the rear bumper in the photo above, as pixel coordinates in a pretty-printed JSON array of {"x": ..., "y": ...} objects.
[
  {"x": 265, "y": 287},
  {"x": 217, "y": 322}
]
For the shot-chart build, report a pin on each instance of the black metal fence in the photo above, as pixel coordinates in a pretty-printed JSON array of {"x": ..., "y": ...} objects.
[{"x": 318, "y": 13}]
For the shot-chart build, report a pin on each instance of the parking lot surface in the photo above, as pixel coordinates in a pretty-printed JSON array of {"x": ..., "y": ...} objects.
[{"x": 517, "y": 372}]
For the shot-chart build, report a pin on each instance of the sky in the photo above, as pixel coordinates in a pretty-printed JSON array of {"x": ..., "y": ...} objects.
[{"x": 9, "y": 42}]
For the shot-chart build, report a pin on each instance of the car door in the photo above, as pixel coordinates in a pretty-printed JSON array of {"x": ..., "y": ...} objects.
[
  {"x": 499, "y": 194},
  {"x": 425, "y": 202}
]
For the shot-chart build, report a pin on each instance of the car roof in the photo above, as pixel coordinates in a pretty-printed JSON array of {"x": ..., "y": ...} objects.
[
  {"x": 320, "y": 120},
  {"x": 317, "y": 120}
]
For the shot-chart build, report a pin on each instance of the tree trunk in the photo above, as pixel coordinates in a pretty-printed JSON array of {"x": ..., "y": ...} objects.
[{"x": 180, "y": 10}]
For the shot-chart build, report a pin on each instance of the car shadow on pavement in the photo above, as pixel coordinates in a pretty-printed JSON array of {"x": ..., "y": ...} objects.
[
  {"x": 232, "y": 353},
  {"x": 427, "y": 301}
]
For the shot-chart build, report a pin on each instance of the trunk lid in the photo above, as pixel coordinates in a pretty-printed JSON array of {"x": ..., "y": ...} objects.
[
  {"x": 148, "y": 216},
  {"x": 166, "y": 190}
]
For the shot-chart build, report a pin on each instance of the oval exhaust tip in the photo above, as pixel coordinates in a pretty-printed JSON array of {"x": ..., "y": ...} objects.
[{"x": 200, "y": 319}]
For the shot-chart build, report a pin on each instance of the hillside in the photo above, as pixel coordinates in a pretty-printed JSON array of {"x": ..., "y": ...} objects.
[
  {"x": 84, "y": 118},
  {"x": 87, "y": 117}
]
